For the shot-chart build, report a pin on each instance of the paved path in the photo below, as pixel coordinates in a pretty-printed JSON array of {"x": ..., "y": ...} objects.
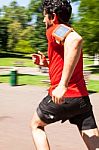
[
  {"x": 33, "y": 71},
  {"x": 23, "y": 70},
  {"x": 16, "y": 108}
]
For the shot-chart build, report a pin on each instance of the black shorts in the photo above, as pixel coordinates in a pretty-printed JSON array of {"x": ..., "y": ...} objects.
[{"x": 77, "y": 110}]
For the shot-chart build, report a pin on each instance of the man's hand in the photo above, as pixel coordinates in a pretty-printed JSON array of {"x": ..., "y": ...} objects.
[
  {"x": 40, "y": 59},
  {"x": 58, "y": 94},
  {"x": 36, "y": 59}
]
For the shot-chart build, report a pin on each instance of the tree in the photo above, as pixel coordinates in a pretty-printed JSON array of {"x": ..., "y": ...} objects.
[
  {"x": 20, "y": 39},
  {"x": 3, "y": 34},
  {"x": 38, "y": 39},
  {"x": 14, "y": 30},
  {"x": 24, "y": 43},
  {"x": 88, "y": 25},
  {"x": 13, "y": 26},
  {"x": 23, "y": 46},
  {"x": 19, "y": 28},
  {"x": 14, "y": 12}
]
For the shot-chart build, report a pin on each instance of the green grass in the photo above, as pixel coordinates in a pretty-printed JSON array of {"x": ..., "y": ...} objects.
[
  {"x": 88, "y": 61},
  {"x": 37, "y": 80},
  {"x": 93, "y": 69},
  {"x": 25, "y": 79},
  {"x": 11, "y": 61},
  {"x": 93, "y": 86}
]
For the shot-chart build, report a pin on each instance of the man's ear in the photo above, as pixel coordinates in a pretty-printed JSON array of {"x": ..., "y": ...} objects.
[{"x": 55, "y": 19}]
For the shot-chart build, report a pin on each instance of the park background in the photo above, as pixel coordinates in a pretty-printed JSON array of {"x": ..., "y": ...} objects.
[{"x": 22, "y": 33}]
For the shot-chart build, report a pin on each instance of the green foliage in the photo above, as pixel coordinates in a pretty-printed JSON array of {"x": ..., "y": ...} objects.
[
  {"x": 88, "y": 25},
  {"x": 19, "y": 29},
  {"x": 14, "y": 30},
  {"x": 39, "y": 38},
  {"x": 38, "y": 41},
  {"x": 20, "y": 34},
  {"x": 19, "y": 38},
  {"x": 3, "y": 34},
  {"x": 14, "y": 12},
  {"x": 13, "y": 22},
  {"x": 23, "y": 46}
]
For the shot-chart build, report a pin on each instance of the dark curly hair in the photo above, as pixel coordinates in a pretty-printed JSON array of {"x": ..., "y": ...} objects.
[{"x": 62, "y": 8}]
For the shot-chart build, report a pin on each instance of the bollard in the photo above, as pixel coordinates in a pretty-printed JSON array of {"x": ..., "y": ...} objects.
[{"x": 13, "y": 77}]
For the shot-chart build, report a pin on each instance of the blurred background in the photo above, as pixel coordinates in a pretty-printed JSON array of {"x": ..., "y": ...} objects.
[{"x": 22, "y": 33}]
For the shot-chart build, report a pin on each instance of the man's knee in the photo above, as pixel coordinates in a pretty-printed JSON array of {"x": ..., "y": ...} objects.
[{"x": 36, "y": 122}]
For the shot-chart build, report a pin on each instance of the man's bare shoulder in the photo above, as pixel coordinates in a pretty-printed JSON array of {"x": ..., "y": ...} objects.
[{"x": 73, "y": 36}]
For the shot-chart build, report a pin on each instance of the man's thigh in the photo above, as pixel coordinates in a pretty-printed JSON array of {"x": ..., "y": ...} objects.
[{"x": 49, "y": 112}]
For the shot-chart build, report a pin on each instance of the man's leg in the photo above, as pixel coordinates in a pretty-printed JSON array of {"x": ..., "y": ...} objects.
[
  {"x": 91, "y": 138},
  {"x": 38, "y": 132}
]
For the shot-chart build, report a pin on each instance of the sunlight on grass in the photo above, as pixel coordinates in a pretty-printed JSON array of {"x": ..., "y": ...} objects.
[
  {"x": 93, "y": 85},
  {"x": 13, "y": 61},
  {"x": 26, "y": 79}
]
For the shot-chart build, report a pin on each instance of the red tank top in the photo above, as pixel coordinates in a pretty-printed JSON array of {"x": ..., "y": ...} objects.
[{"x": 76, "y": 86}]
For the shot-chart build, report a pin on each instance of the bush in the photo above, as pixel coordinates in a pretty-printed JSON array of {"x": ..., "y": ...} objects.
[{"x": 23, "y": 46}]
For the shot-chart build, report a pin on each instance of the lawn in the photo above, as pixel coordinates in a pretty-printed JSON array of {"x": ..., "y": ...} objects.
[
  {"x": 10, "y": 61},
  {"x": 93, "y": 85},
  {"x": 16, "y": 59},
  {"x": 88, "y": 61},
  {"x": 37, "y": 80},
  {"x": 26, "y": 79}
]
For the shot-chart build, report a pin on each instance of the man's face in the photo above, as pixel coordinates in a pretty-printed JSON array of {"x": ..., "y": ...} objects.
[{"x": 48, "y": 22}]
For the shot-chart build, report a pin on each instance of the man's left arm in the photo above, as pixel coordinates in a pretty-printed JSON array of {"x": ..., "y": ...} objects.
[{"x": 72, "y": 51}]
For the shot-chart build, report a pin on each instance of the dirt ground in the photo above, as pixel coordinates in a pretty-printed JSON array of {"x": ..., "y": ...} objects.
[{"x": 17, "y": 105}]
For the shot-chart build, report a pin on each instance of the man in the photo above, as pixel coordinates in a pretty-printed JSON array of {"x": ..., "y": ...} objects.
[{"x": 67, "y": 97}]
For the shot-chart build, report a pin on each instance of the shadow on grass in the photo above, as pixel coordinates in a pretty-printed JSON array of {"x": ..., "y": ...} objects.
[
  {"x": 91, "y": 92},
  {"x": 15, "y": 55},
  {"x": 8, "y": 75},
  {"x": 26, "y": 74},
  {"x": 18, "y": 85},
  {"x": 15, "y": 81},
  {"x": 29, "y": 75},
  {"x": 94, "y": 68}
]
